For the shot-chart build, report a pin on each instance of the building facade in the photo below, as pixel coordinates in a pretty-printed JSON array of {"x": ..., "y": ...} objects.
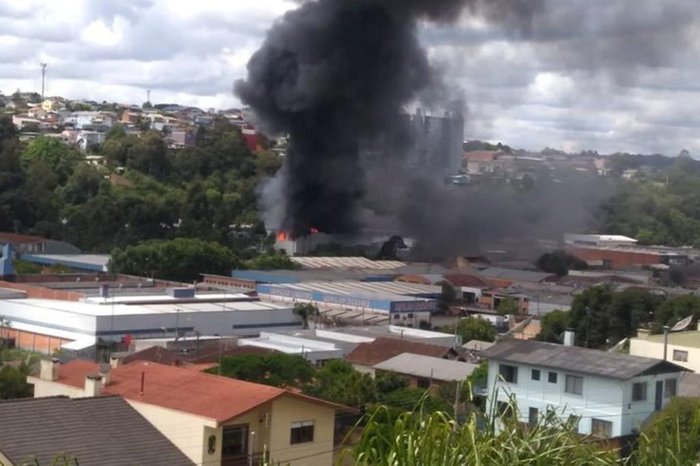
[{"x": 606, "y": 395}]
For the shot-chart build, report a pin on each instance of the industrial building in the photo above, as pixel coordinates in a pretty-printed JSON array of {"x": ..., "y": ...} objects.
[
  {"x": 46, "y": 325},
  {"x": 400, "y": 303},
  {"x": 82, "y": 262}
]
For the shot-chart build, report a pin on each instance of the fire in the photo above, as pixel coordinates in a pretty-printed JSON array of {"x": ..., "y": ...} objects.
[
  {"x": 282, "y": 236},
  {"x": 313, "y": 230}
]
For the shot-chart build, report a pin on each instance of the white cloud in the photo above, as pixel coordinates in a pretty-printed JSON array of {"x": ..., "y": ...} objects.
[{"x": 606, "y": 78}]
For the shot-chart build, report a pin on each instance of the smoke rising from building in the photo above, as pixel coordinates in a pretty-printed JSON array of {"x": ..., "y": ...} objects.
[{"x": 330, "y": 74}]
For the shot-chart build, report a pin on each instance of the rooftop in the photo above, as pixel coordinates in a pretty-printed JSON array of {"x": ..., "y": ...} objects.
[
  {"x": 346, "y": 263},
  {"x": 201, "y": 394},
  {"x": 381, "y": 349},
  {"x": 428, "y": 367},
  {"x": 41, "y": 428},
  {"x": 96, "y": 262},
  {"x": 579, "y": 360},
  {"x": 690, "y": 339}
]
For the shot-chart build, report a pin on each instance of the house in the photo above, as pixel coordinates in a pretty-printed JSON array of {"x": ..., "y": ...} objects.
[
  {"x": 608, "y": 394},
  {"x": 104, "y": 431},
  {"x": 426, "y": 371},
  {"x": 366, "y": 356},
  {"x": 213, "y": 420},
  {"x": 683, "y": 348}
]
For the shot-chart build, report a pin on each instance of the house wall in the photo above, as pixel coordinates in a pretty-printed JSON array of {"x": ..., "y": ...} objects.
[
  {"x": 654, "y": 349},
  {"x": 602, "y": 398},
  {"x": 5, "y": 461},
  {"x": 364, "y": 369},
  {"x": 635, "y": 413},
  {"x": 188, "y": 432},
  {"x": 36, "y": 342},
  {"x": 285, "y": 411},
  {"x": 44, "y": 388},
  {"x": 616, "y": 258}
]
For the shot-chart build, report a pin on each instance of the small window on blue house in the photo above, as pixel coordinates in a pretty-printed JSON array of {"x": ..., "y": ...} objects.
[
  {"x": 552, "y": 377},
  {"x": 535, "y": 374}
]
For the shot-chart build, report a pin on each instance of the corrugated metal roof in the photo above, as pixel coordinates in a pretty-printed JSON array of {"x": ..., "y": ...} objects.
[
  {"x": 346, "y": 263},
  {"x": 578, "y": 360},
  {"x": 428, "y": 367}
]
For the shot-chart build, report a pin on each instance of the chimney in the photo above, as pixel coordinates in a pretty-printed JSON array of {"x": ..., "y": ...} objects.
[
  {"x": 105, "y": 370},
  {"x": 93, "y": 385},
  {"x": 49, "y": 369},
  {"x": 569, "y": 337}
]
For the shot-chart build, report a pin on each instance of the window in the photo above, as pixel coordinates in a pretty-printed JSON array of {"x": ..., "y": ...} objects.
[
  {"x": 639, "y": 391},
  {"x": 535, "y": 374},
  {"x": 509, "y": 373},
  {"x": 552, "y": 377},
  {"x": 679, "y": 355},
  {"x": 302, "y": 432},
  {"x": 532, "y": 416},
  {"x": 234, "y": 441},
  {"x": 574, "y": 384},
  {"x": 600, "y": 428},
  {"x": 669, "y": 388}
]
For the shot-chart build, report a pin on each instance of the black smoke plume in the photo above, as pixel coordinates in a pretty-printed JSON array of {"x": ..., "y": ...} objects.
[{"x": 332, "y": 73}]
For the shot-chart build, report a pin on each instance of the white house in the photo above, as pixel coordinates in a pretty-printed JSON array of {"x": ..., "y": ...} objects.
[
  {"x": 609, "y": 394},
  {"x": 683, "y": 348}
]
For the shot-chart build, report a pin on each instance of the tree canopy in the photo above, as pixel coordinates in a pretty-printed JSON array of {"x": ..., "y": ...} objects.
[{"x": 181, "y": 259}]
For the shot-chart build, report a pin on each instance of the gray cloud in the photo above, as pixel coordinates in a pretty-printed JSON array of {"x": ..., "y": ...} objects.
[{"x": 597, "y": 74}]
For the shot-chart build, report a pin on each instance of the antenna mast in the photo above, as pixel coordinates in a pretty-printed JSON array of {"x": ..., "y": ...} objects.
[{"x": 43, "y": 80}]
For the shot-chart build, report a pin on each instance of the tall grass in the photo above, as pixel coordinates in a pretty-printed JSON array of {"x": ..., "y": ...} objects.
[{"x": 417, "y": 439}]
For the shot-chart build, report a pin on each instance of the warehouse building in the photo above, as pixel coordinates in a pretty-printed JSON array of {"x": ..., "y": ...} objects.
[
  {"x": 47, "y": 325},
  {"x": 399, "y": 303}
]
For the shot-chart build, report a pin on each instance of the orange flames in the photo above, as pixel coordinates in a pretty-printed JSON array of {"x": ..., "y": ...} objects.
[{"x": 282, "y": 236}]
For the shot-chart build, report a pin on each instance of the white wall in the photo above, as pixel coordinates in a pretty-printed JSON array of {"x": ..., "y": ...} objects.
[
  {"x": 602, "y": 398},
  {"x": 207, "y": 323},
  {"x": 653, "y": 349}
]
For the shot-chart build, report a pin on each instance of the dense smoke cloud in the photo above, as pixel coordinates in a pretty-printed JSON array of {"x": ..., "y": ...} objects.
[{"x": 332, "y": 73}]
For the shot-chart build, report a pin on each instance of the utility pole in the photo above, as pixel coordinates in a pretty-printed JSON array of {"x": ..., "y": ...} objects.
[
  {"x": 148, "y": 96},
  {"x": 43, "y": 80}
]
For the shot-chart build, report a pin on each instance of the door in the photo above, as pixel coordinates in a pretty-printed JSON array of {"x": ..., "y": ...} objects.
[
  {"x": 234, "y": 445},
  {"x": 659, "y": 395}
]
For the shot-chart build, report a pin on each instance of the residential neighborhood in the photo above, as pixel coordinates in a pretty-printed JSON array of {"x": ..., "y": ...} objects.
[{"x": 349, "y": 233}]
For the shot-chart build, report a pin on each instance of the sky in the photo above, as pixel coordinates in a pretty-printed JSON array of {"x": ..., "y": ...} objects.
[{"x": 571, "y": 74}]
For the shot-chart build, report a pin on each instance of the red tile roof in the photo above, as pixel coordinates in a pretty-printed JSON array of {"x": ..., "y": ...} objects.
[
  {"x": 206, "y": 395},
  {"x": 384, "y": 348},
  {"x": 20, "y": 239}
]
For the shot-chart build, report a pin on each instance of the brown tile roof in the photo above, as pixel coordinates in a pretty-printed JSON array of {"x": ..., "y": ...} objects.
[
  {"x": 467, "y": 280},
  {"x": 19, "y": 239},
  {"x": 207, "y": 353},
  {"x": 481, "y": 155},
  {"x": 384, "y": 348},
  {"x": 206, "y": 395},
  {"x": 104, "y": 431}
]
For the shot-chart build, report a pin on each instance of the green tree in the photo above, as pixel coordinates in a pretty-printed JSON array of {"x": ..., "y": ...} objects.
[
  {"x": 59, "y": 157},
  {"x": 339, "y": 382},
  {"x": 13, "y": 383},
  {"x": 553, "y": 325},
  {"x": 271, "y": 261},
  {"x": 508, "y": 307},
  {"x": 473, "y": 328},
  {"x": 306, "y": 311},
  {"x": 276, "y": 369},
  {"x": 448, "y": 296},
  {"x": 182, "y": 259},
  {"x": 479, "y": 377}
]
